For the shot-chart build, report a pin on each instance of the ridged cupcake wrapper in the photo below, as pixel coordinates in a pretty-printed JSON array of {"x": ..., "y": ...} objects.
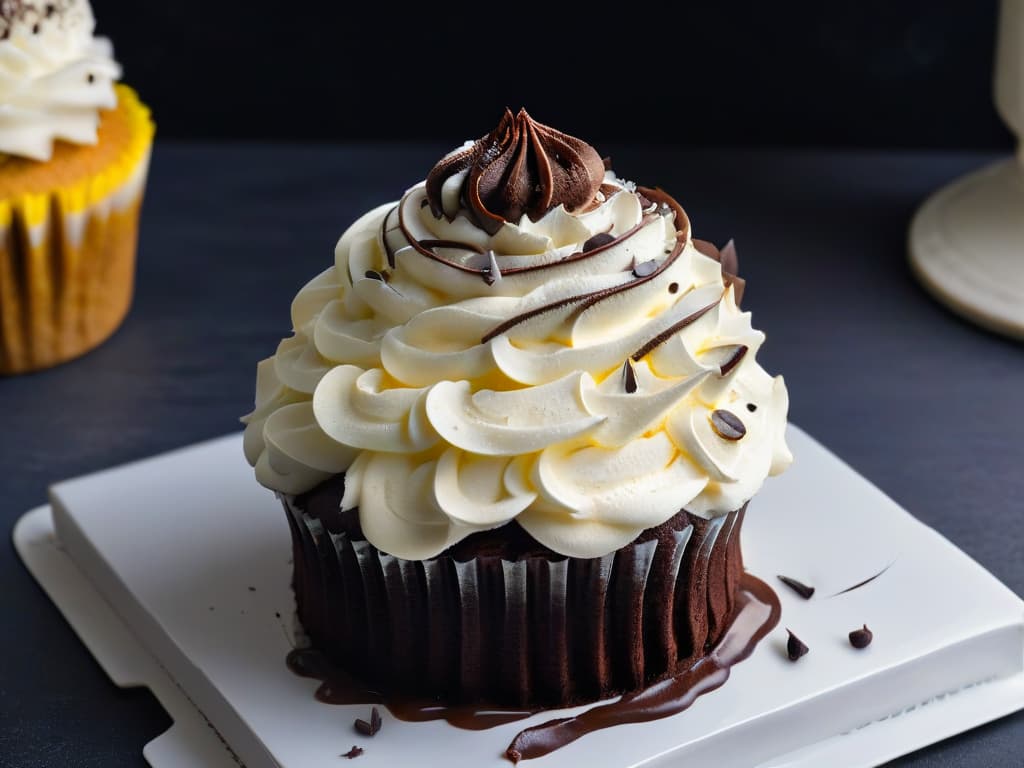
[
  {"x": 528, "y": 632},
  {"x": 67, "y": 259}
]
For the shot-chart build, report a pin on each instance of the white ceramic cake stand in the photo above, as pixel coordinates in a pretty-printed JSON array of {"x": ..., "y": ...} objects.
[
  {"x": 175, "y": 572},
  {"x": 967, "y": 240}
]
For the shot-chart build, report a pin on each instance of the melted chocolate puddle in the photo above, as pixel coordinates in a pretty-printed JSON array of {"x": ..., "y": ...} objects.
[{"x": 758, "y": 614}]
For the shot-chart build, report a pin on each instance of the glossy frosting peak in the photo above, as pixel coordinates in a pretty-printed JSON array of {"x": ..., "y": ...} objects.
[
  {"x": 521, "y": 167},
  {"x": 587, "y": 375},
  {"x": 55, "y": 76}
]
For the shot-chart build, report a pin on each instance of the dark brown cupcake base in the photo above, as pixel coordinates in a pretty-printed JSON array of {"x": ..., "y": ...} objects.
[{"x": 499, "y": 619}]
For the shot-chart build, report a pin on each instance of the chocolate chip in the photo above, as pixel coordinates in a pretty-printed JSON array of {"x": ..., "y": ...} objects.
[
  {"x": 354, "y": 752},
  {"x": 751, "y": 407},
  {"x": 645, "y": 269},
  {"x": 596, "y": 241},
  {"x": 861, "y": 638},
  {"x": 801, "y": 589},
  {"x": 673, "y": 287},
  {"x": 363, "y": 727},
  {"x": 795, "y": 647},
  {"x": 727, "y": 425},
  {"x": 628, "y": 377}
]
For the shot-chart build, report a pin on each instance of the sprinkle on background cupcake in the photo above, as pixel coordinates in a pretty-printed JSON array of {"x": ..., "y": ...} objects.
[{"x": 74, "y": 154}]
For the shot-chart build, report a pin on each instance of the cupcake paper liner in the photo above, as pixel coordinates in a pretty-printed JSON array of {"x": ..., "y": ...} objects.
[
  {"x": 534, "y": 631},
  {"x": 67, "y": 254}
]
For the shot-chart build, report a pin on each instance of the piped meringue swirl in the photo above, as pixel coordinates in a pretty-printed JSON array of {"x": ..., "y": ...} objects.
[
  {"x": 566, "y": 372},
  {"x": 55, "y": 76}
]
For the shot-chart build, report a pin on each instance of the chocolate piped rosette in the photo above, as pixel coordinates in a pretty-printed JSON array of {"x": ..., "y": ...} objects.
[{"x": 516, "y": 430}]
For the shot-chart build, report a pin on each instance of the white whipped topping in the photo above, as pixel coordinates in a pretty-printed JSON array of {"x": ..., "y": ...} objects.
[
  {"x": 55, "y": 77},
  {"x": 448, "y": 419}
]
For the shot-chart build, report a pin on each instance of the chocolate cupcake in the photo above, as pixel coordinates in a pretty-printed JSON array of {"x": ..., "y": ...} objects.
[{"x": 515, "y": 432}]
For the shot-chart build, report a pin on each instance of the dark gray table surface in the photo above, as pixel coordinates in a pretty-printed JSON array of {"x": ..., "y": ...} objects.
[{"x": 928, "y": 407}]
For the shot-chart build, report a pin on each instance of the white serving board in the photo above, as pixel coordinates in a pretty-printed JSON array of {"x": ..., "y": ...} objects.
[{"x": 193, "y": 556}]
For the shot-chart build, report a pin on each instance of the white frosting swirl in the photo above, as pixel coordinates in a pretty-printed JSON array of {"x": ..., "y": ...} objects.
[
  {"x": 456, "y": 403},
  {"x": 55, "y": 77}
]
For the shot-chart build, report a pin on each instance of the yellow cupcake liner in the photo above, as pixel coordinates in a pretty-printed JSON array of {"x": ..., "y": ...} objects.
[{"x": 67, "y": 252}]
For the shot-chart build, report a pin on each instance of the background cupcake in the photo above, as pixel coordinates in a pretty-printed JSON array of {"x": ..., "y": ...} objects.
[{"x": 74, "y": 152}]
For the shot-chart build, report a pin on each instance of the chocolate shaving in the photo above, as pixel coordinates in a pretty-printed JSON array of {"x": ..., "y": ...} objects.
[
  {"x": 751, "y": 407},
  {"x": 662, "y": 337},
  {"x": 727, "y": 425},
  {"x": 596, "y": 241},
  {"x": 861, "y": 638},
  {"x": 795, "y": 647},
  {"x": 628, "y": 377},
  {"x": 868, "y": 580},
  {"x": 729, "y": 259},
  {"x": 801, "y": 589},
  {"x": 354, "y": 752},
  {"x": 645, "y": 269},
  {"x": 734, "y": 359}
]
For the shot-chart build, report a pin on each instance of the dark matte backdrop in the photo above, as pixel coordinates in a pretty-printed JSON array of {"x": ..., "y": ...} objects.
[{"x": 858, "y": 74}]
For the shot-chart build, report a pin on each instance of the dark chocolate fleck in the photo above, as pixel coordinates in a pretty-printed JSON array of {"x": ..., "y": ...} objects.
[
  {"x": 628, "y": 377},
  {"x": 795, "y": 647},
  {"x": 277, "y": 614},
  {"x": 727, "y": 425},
  {"x": 645, "y": 203},
  {"x": 673, "y": 288},
  {"x": 91, "y": 78},
  {"x": 645, "y": 269},
  {"x": 861, "y": 638},
  {"x": 751, "y": 407},
  {"x": 252, "y": 589},
  {"x": 607, "y": 161},
  {"x": 374, "y": 275},
  {"x": 424, "y": 203},
  {"x": 801, "y": 589},
  {"x": 35, "y": 29},
  {"x": 50, "y": 9},
  {"x": 369, "y": 728},
  {"x": 354, "y": 752},
  {"x": 491, "y": 272},
  {"x": 596, "y": 241}
]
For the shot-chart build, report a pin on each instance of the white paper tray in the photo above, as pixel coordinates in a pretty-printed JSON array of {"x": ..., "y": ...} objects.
[{"x": 186, "y": 568}]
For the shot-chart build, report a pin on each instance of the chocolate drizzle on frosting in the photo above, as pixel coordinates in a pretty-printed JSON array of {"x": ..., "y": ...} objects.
[{"x": 520, "y": 167}]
